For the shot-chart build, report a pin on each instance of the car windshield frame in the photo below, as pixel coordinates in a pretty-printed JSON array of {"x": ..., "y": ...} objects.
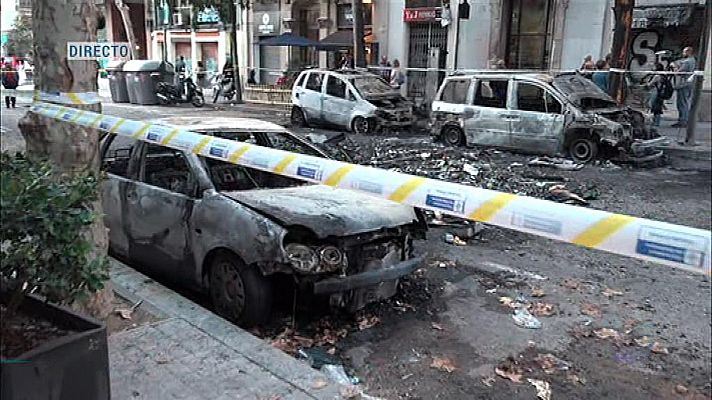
[
  {"x": 583, "y": 92},
  {"x": 384, "y": 89}
]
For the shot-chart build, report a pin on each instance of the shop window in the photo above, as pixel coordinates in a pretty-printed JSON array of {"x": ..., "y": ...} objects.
[
  {"x": 491, "y": 93},
  {"x": 455, "y": 91}
]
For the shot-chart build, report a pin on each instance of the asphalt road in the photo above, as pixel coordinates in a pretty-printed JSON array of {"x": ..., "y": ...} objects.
[{"x": 451, "y": 318}]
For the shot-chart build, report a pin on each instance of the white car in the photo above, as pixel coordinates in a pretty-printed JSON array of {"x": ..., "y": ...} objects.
[{"x": 358, "y": 101}]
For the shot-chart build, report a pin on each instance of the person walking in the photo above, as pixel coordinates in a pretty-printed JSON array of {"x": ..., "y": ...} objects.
[
  {"x": 397, "y": 77},
  {"x": 659, "y": 88},
  {"x": 600, "y": 77},
  {"x": 683, "y": 86},
  {"x": 10, "y": 80},
  {"x": 385, "y": 68}
]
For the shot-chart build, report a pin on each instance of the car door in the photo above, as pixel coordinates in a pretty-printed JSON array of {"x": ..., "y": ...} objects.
[
  {"x": 337, "y": 105},
  {"x": 311, "y": 96},
  {"x": 487, "y": 121},
  {"x": 159, "y": 210},
  {"x": 536, "y": 119},
  {"x": 120, "y": 162}
]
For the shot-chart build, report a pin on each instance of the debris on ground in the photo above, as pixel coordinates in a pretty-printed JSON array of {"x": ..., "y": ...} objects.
[
  {"x": 444, "y": 264},
  {"x": 607, "y": 333},
  {"x": 562, "y": 195},
  {"x": 592, "y": 310},
  {"x": 511, "y": 372},
  {"x": 541, "y": 309},
  {"x": 488, "y": 381},
  {"x": 538, "y": 292},
  {"x": 543, "y": 389},
  {"x": 681, "y": 389},
  {"x": 454, "y": 239},
  {"x": 365, "y": 322},
  {"x": 659, "y": 348},
  {"x": 549, "y": 363},
  {"x": 437, "y": 327},
  {"x": 555, "y": 162},
  {"x": 524, "y": 319},
  {"x": 126, "y": 313},
  {"x": 338, "y": 374},
  {"x": 571, "y": 283},
  {"x": 608, "y": 292},
  {"x": 443, "y": 364},
  {"x": 642, "y": 341}
]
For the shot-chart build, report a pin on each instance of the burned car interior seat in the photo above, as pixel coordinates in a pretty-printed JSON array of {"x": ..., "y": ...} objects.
[{"x": 167, "y": 169}]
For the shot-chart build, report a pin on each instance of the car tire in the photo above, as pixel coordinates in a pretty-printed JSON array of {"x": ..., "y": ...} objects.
[
  {"x": 453, "y": 136},
  {"x": 362, "y": 126},
  {"x": 298, "y": 118},
  {"x": 583, "y": 149},
  {"x": 239, "y": 292}
]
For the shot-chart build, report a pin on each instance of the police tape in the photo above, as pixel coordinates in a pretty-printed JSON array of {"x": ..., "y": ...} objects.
[
  {"x": 660, "y": 242},
  {"x": 69, "y": 98}
]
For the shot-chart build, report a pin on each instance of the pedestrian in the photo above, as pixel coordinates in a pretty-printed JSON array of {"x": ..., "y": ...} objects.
[
  {"x": 251, "y": 77},
  {"x": 683, "y": 86},
  {"x": 180, "y": 71},
  {"x": 200, "y": 74},
  {"x": 587, "y": 62},
  {"x": 385, "y": 68},
  {"x": 10, "y": 80},
  {"x": 397, "y": 77},
  {"x": 660, "y": 90},
  {"x": 600, "y": 77}
]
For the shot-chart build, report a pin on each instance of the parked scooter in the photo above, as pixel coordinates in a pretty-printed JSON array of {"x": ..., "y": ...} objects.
[
  {"x": 171, "y": 94},
  {"x": 224, "y": 86}
]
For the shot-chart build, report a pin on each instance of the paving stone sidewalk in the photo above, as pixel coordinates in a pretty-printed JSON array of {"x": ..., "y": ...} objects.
[{"x": 192, "y": 353}]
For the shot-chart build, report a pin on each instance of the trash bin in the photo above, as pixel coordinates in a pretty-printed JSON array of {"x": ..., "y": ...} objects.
[
  {"x": 117, "y": 82},
  {"x": 142, "y": 77}
]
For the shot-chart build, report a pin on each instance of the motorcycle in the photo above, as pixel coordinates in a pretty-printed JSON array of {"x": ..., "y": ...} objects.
[
  {"x": 171, "y": 94},
  {"x": 224, "y": 86}
]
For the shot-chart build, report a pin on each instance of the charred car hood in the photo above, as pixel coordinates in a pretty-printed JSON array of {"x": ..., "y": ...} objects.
[
  {"x": 577, "y": 88},
  {"x": 326, "y": 211}
]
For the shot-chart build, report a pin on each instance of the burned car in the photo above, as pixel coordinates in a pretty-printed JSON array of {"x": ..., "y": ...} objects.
[
  {"x": 358, "y": 101},
  {"x": 535, "y": 113},
  {"x": 228, "y": 230}
]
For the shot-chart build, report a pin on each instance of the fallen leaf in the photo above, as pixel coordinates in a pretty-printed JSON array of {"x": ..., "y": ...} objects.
[
  {"x": 642, "y": 341},
  {"x": 571, "y": 283},
  {"x": 509, "y": 374},
  {"x": 319, "y": 384},
  {"x": 542, "y": 309},
  {"x": 659, "y": 348},
  {"x": 443, "y": 364},
  {"x": 680, "y": 389},
  {"x": 126, "y": 313},
  {"x": 543, "y": 389},
  {"x": 608, "y": 292},
  {"x": 607, "y": 333},
  {"x": 537, "y": 292},
  {"x": 573, "y": 378},
  {"x": 459, "y": 242},
  {"x": 592, "y": 310},
  {"x": 488, "y": 381},
  {"x": 507, "y": 301},
  {"x": 436, "y": 326}
]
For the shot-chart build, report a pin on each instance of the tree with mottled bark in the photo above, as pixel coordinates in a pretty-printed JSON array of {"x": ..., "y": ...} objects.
[{"x": 70, "y": 148}]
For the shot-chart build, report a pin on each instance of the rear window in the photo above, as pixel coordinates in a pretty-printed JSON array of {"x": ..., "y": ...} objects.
[{"x": 455, "y": 91}]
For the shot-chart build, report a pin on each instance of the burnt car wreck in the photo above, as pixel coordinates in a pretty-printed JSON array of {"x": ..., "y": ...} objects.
[
  {"x": 534, "y": 113},
  {"x": 229, "y": 230},
  {"x": 358, "y": 101}
]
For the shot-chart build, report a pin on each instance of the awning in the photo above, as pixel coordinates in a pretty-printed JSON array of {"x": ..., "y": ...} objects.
[
  {"x": 662, "y": 16},
  {"x": 342, "y": 39},
  {"x": 288, "y": 39}
]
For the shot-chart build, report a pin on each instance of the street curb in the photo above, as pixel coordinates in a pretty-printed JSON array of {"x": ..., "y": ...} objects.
[{"x": 283, "y": 367}]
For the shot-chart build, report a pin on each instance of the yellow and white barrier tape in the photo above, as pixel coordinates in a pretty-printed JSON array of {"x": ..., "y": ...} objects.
[
  {"x": 660, "y": 242},
  {"x": 69, "y": 98}
]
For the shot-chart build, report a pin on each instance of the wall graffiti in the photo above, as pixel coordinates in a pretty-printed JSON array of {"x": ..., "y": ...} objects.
[{"x": 646, "y": 50}]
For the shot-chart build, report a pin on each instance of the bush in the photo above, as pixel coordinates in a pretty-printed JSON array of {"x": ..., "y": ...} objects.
[{"x": 44, "y": 220}]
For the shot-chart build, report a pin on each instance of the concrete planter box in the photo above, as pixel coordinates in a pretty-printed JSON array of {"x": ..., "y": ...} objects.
[
  {"x": 72, "y": 367},
  {"x": 268, "y": 94}
]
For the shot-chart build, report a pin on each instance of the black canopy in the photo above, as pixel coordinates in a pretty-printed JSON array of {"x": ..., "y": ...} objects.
[{"x": 288, "y": 39}]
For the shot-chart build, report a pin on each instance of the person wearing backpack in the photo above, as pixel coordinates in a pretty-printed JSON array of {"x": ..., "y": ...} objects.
[
  {"x": 660, "y": 90},
  {"x": 10, "y": 80}
]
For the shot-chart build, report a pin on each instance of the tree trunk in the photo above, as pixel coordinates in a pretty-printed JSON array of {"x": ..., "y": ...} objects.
[
  {"x": 359, "y": 45},
  {"x": 70, "y": 148},
  {"x": 623, "y": 12},
  {"x": 128, "y": 26}
]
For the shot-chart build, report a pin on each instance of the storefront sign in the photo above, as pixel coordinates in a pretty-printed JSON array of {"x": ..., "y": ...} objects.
[
  {"x": 208, "y": 16},
  {"x": 422, "y": 14},
  {"x": 268, "y": 23},
  {"x": 661, "y": 17}
]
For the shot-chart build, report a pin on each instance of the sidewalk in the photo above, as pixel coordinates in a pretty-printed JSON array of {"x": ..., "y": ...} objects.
[
  {"x": 681, "y": 156},
  {"x": 194, "y": 354}
]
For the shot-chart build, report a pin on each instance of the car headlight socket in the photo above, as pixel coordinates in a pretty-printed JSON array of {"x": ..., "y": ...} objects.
[{"x": 303, "y": 258}]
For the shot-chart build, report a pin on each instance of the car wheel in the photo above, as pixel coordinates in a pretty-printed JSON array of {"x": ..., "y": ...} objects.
[
  {"x": 583, "y": 150},
  {"x": 239, "y": 292},
  {"x": 297, "y": 117},
  {"x": 453, "y": 136},
  {"x": 362, "y": 126}
]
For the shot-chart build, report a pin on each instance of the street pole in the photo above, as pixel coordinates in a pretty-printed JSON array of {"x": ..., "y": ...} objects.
[
  {"x": 233, "y": 50},
  {"x": 623, "y": 14},
  {"x": 701, "y": 59},
  {"x": 359, "y": 45}
]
